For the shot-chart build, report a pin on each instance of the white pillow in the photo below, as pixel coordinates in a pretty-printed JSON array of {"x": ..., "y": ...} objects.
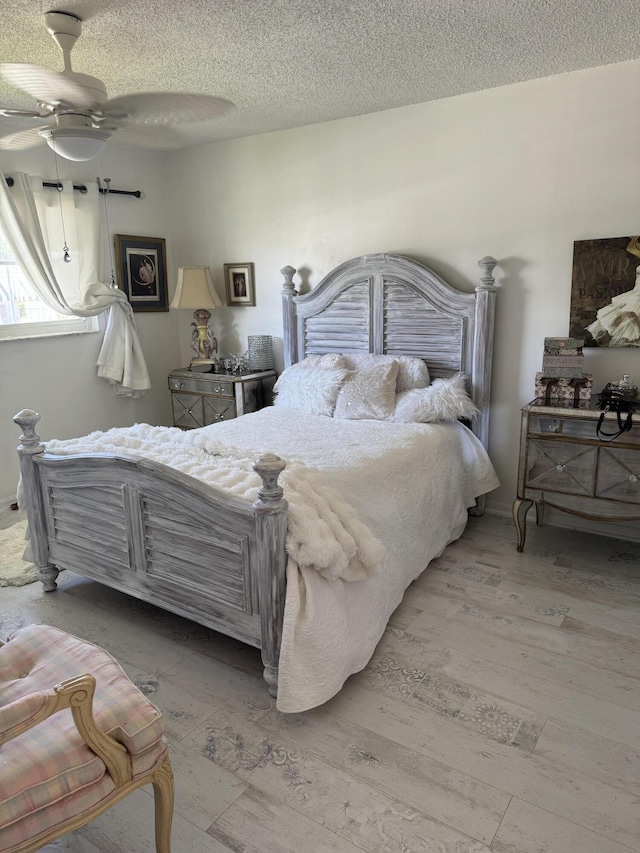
[
  {"x": 368, "y": 393},
  {"x": 412, "y": 371},
  {"x": 443, "y": 400},
  {"x": 309, "y": 388}
]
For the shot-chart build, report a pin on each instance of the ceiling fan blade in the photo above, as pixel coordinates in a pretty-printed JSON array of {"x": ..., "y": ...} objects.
[
  {"x": 22, "y": 139},
  {"x": 48, "y": 87},
  {"x": 160, "y": 138},
  {"x": 8, "y": 113},
  {"x": 166, "y": 107}
]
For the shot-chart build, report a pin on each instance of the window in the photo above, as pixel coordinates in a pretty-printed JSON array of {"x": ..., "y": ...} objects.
[{"x": 23, "y": 314}]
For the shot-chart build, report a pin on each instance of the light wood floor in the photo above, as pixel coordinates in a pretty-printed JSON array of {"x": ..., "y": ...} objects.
[{"x": 501, "y": 712}]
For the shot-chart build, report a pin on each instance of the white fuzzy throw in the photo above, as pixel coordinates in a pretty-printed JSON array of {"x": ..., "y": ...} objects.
[{"x": 324, "y": 531}]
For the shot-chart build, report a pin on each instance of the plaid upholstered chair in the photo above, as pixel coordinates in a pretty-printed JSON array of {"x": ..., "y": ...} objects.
[{"x": 67, "y": 755}]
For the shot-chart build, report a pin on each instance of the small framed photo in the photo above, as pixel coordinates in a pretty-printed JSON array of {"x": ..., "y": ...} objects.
[
  {"x": 239, "y": 284},
  {"x": 142, "y": 271}
]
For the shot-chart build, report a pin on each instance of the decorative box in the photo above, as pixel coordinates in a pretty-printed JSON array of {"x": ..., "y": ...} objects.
[
  {"x": 562, "y": 372},
  {"x": 562, "y": 361},
  {"x": 562, "y": 346},
  {"x": 551, "y": 389}
]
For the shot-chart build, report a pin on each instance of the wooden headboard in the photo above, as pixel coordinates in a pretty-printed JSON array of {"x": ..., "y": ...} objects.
[{"x": 391, "y": 304}]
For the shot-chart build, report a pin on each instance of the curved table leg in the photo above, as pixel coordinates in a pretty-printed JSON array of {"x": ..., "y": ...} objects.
[{"x": 520, "y": 510}]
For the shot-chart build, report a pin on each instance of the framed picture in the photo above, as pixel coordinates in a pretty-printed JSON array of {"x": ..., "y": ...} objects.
[
  {"x": 142, "y": 271},
  {"x": 239, "y": 284},
  {"x": 605, "y": 292}
]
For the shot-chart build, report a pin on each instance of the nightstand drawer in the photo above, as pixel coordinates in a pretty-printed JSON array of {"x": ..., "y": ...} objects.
[
  {"x": 561, "y": 467},
  {"x": 619, "y": 475},
  {"x": 216, "y": 387},
  {"x": 187, "y": 410},
  {"x": 218, "y": 409},
  {"x": 542, "y": 426}
]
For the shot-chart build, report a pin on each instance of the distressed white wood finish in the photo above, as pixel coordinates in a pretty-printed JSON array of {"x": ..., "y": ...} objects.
[
  {"x": 166, "y": 538},
  {"x": 152, "y": 532},
  {"x": 271, "y": 521},
  {"x": 394, "y": 305}
]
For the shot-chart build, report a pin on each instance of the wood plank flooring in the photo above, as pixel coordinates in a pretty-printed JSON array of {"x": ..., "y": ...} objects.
[{"x": 500, "y": 712}]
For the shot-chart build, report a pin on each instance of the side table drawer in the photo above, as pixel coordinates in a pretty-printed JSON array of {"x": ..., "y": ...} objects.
[
  {"x": 218, "y": 409},
  {"x": 187, "y": 410},
  {"x": 561, "y": 467},
  {"x": 619, "y": 475},
  {"x": 216, "y": 387}
]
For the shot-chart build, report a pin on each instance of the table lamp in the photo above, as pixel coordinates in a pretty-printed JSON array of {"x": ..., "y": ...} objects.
[{"x": 195, "y": 290}]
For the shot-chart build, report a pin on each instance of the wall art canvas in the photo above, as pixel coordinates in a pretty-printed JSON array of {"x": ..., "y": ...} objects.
[{"x": 605, "y": 292}]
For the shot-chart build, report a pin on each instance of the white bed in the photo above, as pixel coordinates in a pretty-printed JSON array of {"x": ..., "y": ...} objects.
[{"x": 119, "y": 514}]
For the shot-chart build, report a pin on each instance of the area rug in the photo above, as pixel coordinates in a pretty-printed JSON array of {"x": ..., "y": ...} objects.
[{"x": 14, "y": 571}]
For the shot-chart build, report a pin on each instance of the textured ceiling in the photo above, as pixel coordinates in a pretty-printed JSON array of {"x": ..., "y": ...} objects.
[{"x": 287, "y": 63}]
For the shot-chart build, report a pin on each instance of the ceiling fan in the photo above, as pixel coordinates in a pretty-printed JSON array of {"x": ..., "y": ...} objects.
[{"x": 80, "y": 118}]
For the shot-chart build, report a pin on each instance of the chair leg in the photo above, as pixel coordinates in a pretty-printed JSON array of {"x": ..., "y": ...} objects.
[{"x": 163, "y": 797}]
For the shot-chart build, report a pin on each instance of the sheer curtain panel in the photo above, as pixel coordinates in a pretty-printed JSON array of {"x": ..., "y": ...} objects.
[{"x": 31, "y": 220}]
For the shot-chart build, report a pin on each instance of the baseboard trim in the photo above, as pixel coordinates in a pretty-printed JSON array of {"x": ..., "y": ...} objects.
[
  {"x": 5, "y": 503},
  {"x": 612, "y": 529}
]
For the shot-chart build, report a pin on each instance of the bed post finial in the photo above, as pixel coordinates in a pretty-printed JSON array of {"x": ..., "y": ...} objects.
[
  {"x": 289, "y": 316},
  {"x": 288, "y": 273},
  {"x": 487, "y": 265},
  {"x": 271, "y": 532},
  {"x": 29, "y": 440}
]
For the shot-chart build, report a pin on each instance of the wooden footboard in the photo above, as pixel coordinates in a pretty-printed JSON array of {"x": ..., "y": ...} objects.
[{"x": 161, "y": 536}]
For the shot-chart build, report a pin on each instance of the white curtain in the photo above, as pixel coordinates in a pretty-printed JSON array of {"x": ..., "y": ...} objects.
[{"x": 31, "y": 221}]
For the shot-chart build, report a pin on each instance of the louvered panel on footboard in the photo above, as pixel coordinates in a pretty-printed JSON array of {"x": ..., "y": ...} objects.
[
  {"x": 192, "y": 561},
  {"x": 343, "y": 326},
  {"x": 412, "y": 326},
  {"x": 156, "y": 534},
  {"x": 84, "y": 523}
]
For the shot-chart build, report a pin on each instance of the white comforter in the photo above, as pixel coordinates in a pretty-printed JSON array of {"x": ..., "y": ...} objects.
[{"x": 411, "y": 484}]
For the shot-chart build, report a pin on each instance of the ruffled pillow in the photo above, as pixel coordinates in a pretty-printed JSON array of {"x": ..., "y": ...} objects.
[
  {"x": 369, "y": 392},
  {"x": 443, "y": 400},
  {"x": 412, "y": 371},
  {"x": 310, "y": 386}
]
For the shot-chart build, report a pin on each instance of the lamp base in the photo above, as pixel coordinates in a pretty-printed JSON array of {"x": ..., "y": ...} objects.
[{"x": 204, "y": 365}]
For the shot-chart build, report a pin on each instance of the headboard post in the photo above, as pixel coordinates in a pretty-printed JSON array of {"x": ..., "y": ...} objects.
[
  {"x": 289, "y": 316},
  {"x": 483, "y": 351}
]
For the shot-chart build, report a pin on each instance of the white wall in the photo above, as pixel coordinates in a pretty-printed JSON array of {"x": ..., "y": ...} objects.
[
  {"x": 518, "y": 172},
  {"x": 57, "y": 376}
]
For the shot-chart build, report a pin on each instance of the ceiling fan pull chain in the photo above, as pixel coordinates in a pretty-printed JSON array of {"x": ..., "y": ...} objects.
[
  {"x": 66, "y": 255},
  {"x": 105, "y": 192}
]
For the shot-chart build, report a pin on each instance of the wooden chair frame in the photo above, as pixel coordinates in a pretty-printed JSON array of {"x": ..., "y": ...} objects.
[{"x": 77, "y": 694}]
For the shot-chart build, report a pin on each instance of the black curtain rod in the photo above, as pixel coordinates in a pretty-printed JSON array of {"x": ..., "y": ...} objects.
[{"x": 82, "y": 189}]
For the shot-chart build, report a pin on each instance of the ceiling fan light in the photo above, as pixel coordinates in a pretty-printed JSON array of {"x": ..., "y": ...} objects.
[{"x": 77, "y": 143}]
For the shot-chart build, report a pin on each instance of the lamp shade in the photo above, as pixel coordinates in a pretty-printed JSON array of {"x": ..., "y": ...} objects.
[{"x": 195, "y": 289}]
